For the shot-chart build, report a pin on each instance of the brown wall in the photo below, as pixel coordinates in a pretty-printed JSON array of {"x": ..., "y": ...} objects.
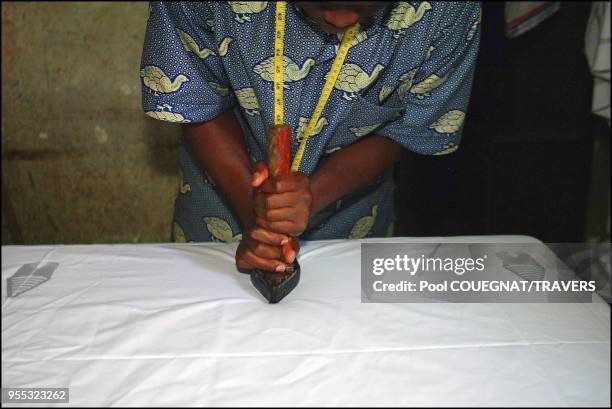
[{"x": 81, "y": 163}]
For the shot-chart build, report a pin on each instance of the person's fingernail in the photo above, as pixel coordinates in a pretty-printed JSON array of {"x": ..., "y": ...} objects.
[
  {"x": 291, "y": 256},
  {"x": 285, "y": 241},
  {"x": 255, "y": 177},
  {"x": 280, "y": 268}
]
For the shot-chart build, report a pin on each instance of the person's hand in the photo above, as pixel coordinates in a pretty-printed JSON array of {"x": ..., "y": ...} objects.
[
  {"x": 261, "y": 248},
  {"x": 260, "y": 174},
  {"x": 283, "y": 204},
  {"x": 265, "y": 250}
]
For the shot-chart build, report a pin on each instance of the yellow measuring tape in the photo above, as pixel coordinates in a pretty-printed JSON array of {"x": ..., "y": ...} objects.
[
  {"x": 279, "y": 45},
  {"x": 279, "y": 114}
]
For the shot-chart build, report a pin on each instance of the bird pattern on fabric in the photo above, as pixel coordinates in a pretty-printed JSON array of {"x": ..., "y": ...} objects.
[
  {"x": 303, "y": 124},
  {"x": 449, "y": 148},
  {"x": 164, "y": 113},
  {"x": 405, "y": 83},
  {"x": 189, "y": 44},
  {"x": 183, "y": 187},
  {"x": 364, "y": 130},
  {"x": 178, "y": 235},
  {"x": 243, "y": 9},
  {"x": 292, "y": 72},
  {"x": 248, "y": 100},
  {"x": 404, "y": 15},
  {"x": 425, "y": 87},
  {"x": 364, "y": 225},
  {"x": 219, "y": 89},
  {"x": 406, "y": 77},
  {"x": 474, "y": 27},
  {"x": 221, "y": 230},
  {"x": 352, "y": 79},
  {"x": 384, "y": 92},
  {"x": 157, "y": 81},
  {"x": 450, "y": 122}
]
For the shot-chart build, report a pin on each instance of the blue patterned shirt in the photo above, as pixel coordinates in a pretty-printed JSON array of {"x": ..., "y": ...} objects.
[{"x": 407, "y": 77}]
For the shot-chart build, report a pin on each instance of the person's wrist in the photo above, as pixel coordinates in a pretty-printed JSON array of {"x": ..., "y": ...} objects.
[
  {"x": 317, "y": 193},
  {"x": 247, "y": 219}
]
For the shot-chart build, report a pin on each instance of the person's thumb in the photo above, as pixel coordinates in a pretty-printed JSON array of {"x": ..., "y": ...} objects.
[{"x": 260, "y": 174}]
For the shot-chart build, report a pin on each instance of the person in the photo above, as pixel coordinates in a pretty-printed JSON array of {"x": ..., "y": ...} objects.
[{"x": 405, "y": 83}]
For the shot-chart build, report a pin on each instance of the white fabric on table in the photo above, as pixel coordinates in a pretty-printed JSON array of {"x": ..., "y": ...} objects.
[{"x": 176, "y": 325}]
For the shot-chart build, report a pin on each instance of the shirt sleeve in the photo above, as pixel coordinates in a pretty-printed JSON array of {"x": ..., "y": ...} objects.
[
  {"x": 181, "y": 72},
  {"x": 435, "y": 95}
]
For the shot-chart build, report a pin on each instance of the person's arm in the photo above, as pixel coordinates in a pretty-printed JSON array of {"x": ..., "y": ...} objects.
[
  {"x": 286, "y": 204},
  {"x": 352, "y": 168},
  {"x": 219, "y": 147}
]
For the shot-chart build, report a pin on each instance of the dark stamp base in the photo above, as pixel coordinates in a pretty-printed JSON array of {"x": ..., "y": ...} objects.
[{"x": 275, "y": 286}]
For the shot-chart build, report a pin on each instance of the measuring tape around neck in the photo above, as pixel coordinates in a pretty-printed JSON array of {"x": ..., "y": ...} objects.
[{"x": 279, "y": 114}]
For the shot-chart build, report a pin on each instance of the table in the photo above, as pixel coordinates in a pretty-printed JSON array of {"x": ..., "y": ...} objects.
[{"x": 176, "y": 325}]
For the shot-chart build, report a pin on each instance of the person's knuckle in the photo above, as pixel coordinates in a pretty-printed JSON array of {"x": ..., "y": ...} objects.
[
  {"x": 258, "y": 248},
  {"x": 270, "y": 215},
  {"x": 253, "y": 233},
  {"x": 254, "y": 239},
  {"x": 248, "y": 257}
]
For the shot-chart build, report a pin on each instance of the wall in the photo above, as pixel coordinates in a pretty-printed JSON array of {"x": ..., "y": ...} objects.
[{"x": 81, "y": 163}]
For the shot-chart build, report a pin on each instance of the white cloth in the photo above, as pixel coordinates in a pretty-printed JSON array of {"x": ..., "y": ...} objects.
[
  {"x": 176, "y": 325},
  {"x": 597, "y": 49}
]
